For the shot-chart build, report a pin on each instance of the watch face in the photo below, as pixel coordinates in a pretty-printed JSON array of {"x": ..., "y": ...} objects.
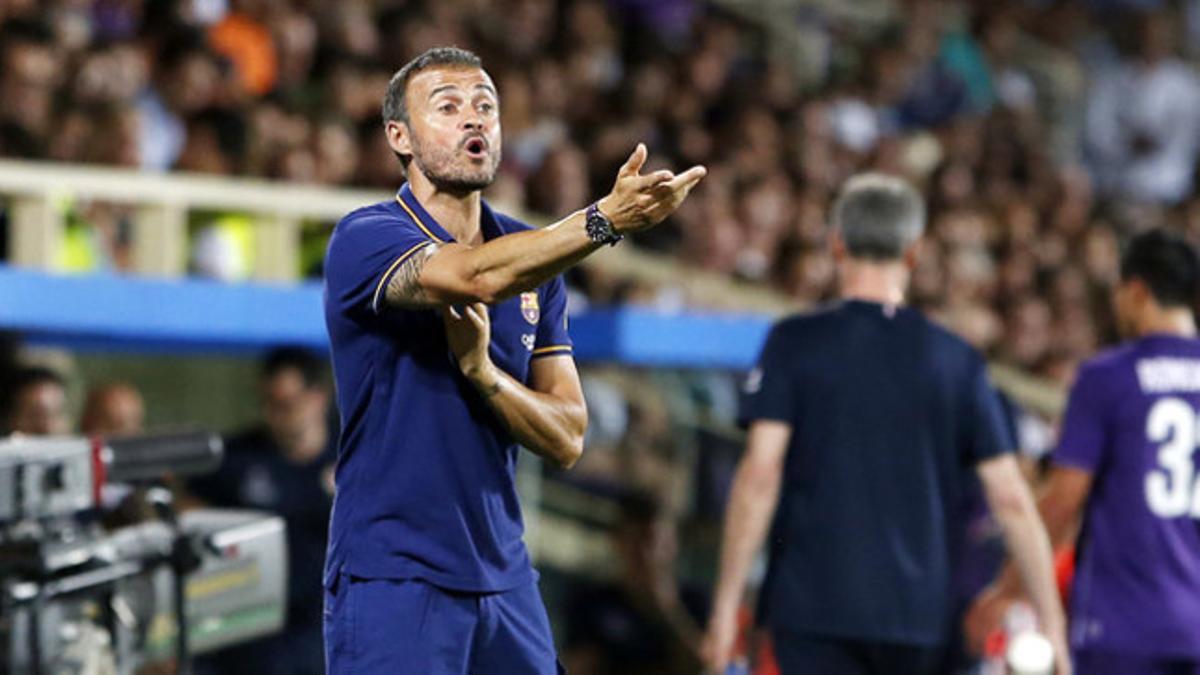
[{"x": 599, "y": 227}]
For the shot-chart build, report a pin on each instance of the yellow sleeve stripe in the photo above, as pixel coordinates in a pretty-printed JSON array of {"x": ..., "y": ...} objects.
[
  {"x": 417, "y": 220},
  {"x": 392, "y": 270},
  {"x": 552, "y": 350}
]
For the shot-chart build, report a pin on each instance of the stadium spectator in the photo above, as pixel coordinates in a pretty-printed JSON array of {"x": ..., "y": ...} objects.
[
  {"x": 113, "y": 409},
  {"x": 187, "y": 79},
  {"x": 1143, "y": 118},
  {"x": 117, "y": 409},
  {"x": 283, "y": 465},
  {"x": 242, "y": 38},
  {"x": 36, "y": 403},
  {"x": 28, "y": 82}
]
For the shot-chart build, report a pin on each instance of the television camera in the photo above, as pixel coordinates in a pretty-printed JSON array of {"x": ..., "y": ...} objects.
[{"x": 78, "y": 597}]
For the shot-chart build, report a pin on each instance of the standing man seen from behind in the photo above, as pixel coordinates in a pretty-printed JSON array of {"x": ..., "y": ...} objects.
[
  {"x": 1127, "y": 462},
  {"x": 863, "y": 416},
  {"x": 449, "y": 337}
]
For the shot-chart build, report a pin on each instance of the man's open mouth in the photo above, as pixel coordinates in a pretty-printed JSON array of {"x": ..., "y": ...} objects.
[{"x": 476, "y": 147}]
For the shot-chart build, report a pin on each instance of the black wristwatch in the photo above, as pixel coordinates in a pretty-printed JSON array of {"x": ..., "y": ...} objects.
[{"x": 600, "y": 229}]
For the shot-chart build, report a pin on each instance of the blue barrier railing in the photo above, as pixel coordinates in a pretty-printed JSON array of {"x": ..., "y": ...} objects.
[{"x": 118, "y": 313}]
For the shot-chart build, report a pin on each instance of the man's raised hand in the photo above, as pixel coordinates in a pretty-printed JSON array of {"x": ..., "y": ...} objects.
[{"x": 638, "y": 202}]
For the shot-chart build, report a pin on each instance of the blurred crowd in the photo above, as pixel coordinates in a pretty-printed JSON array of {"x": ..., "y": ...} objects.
[{"x": 1043, "y": 132}]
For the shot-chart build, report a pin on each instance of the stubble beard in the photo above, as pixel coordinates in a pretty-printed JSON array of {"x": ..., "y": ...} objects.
[{"x": 441, "y": 168}]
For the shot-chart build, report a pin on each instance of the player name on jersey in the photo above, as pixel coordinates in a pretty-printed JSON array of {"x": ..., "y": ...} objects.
[{"x": 1166, "y": 374}]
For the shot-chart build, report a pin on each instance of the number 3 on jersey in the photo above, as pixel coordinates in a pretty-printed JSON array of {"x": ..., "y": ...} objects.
[{"x": 1173, "y": 490}]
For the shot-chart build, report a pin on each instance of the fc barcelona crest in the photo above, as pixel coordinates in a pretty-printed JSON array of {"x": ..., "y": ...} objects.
[{"x": 529, "y": 307}]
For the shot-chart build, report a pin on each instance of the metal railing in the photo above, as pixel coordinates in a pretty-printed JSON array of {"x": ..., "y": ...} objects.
[{"x": 163, "y": 202}]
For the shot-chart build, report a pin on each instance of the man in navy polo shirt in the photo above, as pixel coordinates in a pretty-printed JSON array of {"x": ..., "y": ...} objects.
[
  {"x": 449, "y": 337},
  {"x": 863, "y": 416}
]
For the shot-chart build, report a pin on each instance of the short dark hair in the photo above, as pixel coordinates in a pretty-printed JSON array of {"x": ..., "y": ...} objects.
[
  {"x": 180, "y": 45},
  {"x": 304, "y": 361},
  {"x": 24, "y": 378},
  {"x": 395, "y": 108},
  {"x": 26, "y": 32},
  {"x": 1167, "y": 264},
  {"x": 34, "y": 375},
  {"x": 228, "y": 127}
]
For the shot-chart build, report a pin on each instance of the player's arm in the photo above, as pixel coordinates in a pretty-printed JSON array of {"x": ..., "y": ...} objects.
[
  {"x": 1060, "y": 506},
  {"x": 548, "y": 417},
  {"x": 1081, "y": 446},
  {"x": 1013, "y": 507},
  {"x": 448, "y": 274},
  {"x": 752, "y": 503}
]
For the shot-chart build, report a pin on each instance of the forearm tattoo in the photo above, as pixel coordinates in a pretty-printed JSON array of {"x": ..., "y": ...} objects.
[{"x": 404, "y": 288}]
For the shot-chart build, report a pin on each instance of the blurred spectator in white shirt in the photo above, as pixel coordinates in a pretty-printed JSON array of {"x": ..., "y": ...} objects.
[{"x": 1143, "y": 119}]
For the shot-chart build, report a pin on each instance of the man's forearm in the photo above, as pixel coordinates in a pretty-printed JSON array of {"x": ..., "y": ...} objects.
[
  {"x": 452, "y": 274},
  {"x": 752, "y": 504},
  {"x": 511, "y": 264},
  {"x": 1058, "y": 508},
  {"x": 523, "y": 261},
  {"x": 547, "y": 425},
  {"x": 1030, "y": 550}
]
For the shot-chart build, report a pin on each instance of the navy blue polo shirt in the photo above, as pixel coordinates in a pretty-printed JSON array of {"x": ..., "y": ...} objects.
[
  {"x": 886, "y": 411},
  {"x": 425, "y": 471}
]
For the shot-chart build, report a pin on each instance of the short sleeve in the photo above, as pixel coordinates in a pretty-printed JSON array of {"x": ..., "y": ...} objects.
[
  {"x": 767, "y": 392},
  {"x": 552, "y": 336},
  {"x": 1012, "y": 412},
  {"x": 1081, "y": 442},
  {"x": 989, "y": 431},
  {"x": 364, "y": 254}
]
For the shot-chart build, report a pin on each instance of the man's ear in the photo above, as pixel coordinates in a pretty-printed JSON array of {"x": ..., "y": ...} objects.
[
  {"x": 1138, "y": 291},
  {"x": 399, "y": 137},
  {"x": 912, "y": 254},
  {"x": 837, "y": 246}
]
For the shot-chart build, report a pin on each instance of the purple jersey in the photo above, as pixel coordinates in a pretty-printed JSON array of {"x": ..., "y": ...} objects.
[{"x": 1132, "y": 421}]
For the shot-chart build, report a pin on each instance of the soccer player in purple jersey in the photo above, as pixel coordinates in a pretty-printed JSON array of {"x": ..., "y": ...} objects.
[{"x": 1127, "y": 462}]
